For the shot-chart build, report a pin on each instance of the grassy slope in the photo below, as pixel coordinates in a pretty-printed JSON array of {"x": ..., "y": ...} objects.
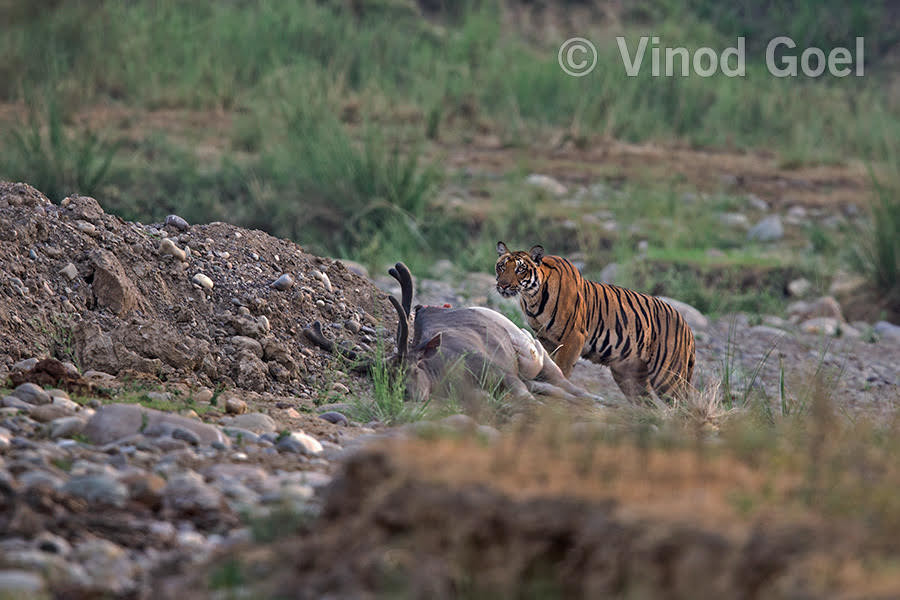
[{"x": 330, "y": 123}]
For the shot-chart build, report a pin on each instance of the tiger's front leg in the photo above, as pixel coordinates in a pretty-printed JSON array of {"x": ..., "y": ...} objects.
[{"x": 569, "y": 352}]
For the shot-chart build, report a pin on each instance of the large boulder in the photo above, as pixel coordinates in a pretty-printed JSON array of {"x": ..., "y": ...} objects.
[
  {"x": 111, "y": 286},
  {"x": 693, "y": 316}
]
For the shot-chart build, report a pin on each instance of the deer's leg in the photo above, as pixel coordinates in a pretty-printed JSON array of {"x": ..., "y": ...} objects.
[
  {"x": 517, "y": 389},
  {"x": 551, "y": 374},
  {"x": 545, "y": 388}
]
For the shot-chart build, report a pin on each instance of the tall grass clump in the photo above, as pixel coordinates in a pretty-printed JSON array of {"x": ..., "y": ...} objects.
[
  {"x": 56, "y": 161},
  {"x": 346, "y": 187},
  {"x": 877, "y": 252},
  {"x": 388, "y": 404}
]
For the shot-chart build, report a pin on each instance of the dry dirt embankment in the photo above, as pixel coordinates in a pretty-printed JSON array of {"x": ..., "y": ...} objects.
[{"x": 178, "y": 302}]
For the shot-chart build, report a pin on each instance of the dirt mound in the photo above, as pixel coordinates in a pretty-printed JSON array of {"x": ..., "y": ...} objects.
[{"x": 179, "y": 302}]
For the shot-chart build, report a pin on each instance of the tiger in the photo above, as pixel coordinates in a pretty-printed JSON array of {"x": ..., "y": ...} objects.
[{"x": 645, "y": 342}]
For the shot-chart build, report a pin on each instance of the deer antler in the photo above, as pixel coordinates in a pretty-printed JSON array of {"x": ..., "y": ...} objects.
[
  {"x": 401, "y": 273},
  {"x": 402, "y": 329}
]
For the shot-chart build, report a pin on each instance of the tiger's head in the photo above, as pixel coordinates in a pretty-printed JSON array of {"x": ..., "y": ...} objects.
[{"x": 518, "y": 272}]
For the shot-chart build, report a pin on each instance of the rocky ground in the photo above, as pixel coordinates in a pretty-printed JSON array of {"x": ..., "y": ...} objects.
[
  {"x": 206, "y": 321},
  {"x": 163, "y": 405}
]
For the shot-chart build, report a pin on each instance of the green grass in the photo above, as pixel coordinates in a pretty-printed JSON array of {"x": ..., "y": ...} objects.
[
  {"x": 329, "y": 123},
  {"x": 139, "y": 394},
  {"x": 388, "y": 404},
  {"x": 877, "y": 250},
  {"x": 57, "y": 161}
]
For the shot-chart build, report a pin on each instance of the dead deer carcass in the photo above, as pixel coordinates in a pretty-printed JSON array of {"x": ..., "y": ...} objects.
[{"x": 470, "y": 352}]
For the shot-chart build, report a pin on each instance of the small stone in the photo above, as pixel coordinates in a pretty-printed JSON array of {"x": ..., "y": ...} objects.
[
  {"x": 821, "y": 326},
  {"x": 235, "y": 405},
  {"x": 190, "y": 413},
  {"x": 177, "y": 222},
  {"x": 39, "y": 478},
  {"x": 796, "y": 215},
  {"x": 769, "y": 229},
  {"x": 352, "y": 325},
  {"x": 731, "y": 219},
  {"x": 187, "y": 494},
  {"x": 324, "y": 279},
  {"x": 243, "y": 342},
  {"x": 70, "y": 271},
  {"x": 846, "y": 284},
  {"x": 546, "y": 183},
  {"x": 180, "y": 433},
  {"x": 157, "y": 396},
  {"x": 609, "y": 273},
  {"x": 66, "y": 427},
  {"x": 67, "y": 404},
  {"x": 291, "y": 413},
  {"x": 32, "y": 394},
  {"x": 335, "y": 417},
  {"x": 256, "y": 422},
  {"x": 86, "y": 228},
  {"x": 144, "y": 487},
  {"x": 340, "y": 388},
  {"x": 264, "y": 325},
  {"x": 488, "y": 433},
  {"x": 168, "y": 248},
  {"x": 343, "y": 407},
  {"x": 17, "y": 403},
  {"x": 108, "y": 567},
  {"x": 283, "y": 283},
  {"x": 97, "y": 489},
  {"x": 203, "y": 281},
  {"x": 203, "y": 395},
  {"x": 299, "y": 442},
  {"x": 16, "y": 583},
  {"x": 459, "y": 422},
  {"x": 241, "y": 435},
  {"x": 887, "y": 331},
  {"x": 799, "y": 287},
  {"x": 169, "y": 444},
  {"x": 826, "y": 306},
  {"x": 58, "y": 393},
  {"x": 24, "y": 365},
  {"x": 757, "y": 203},
  {"x": 99, "y": 376}
]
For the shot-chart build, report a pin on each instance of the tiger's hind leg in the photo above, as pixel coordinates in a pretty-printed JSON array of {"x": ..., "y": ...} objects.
[{"x": 632, "y": 377}]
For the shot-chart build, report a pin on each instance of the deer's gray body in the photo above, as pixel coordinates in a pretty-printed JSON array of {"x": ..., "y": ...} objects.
[
  {"x": 479, "y": 347},
  {"x": 465, "y": 352}
]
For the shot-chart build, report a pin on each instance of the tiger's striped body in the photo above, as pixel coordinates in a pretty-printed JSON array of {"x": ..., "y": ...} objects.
[{"x": 645, "y": 342}]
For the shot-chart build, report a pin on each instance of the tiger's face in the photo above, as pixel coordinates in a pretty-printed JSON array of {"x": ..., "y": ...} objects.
[{"x": 518, "y": 272}]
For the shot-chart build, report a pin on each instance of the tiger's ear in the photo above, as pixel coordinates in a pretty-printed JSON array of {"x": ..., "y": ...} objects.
[
  {"x": 537, "y": 254},
  {"x": 502, "y": 249}
]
